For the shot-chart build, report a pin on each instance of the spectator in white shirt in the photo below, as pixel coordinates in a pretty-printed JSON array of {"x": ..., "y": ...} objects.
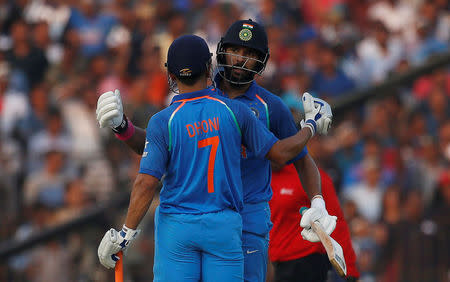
[{"x": 368, "y": 194}]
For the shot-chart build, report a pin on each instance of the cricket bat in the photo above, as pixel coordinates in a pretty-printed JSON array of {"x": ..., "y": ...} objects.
[
  {"x": 118, "y": 270},
  {"x": 333, "y": 249}
]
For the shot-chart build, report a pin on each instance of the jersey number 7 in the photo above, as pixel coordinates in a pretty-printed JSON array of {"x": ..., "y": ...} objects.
[{"x": 214, "y": 142}]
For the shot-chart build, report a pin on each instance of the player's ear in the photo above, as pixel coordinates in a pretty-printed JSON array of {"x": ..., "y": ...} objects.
[{"x": 209, "y": 68}]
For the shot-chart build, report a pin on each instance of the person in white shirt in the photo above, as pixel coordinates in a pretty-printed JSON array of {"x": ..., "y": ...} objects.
[{"x": 368, "y": 194}]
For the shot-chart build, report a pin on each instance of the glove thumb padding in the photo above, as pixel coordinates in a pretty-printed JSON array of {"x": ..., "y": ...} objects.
[
  {"x": 117, "y": 93},
  {"x": 311, "y": 215},
  {"x": 119, "y": 98},
  {"x": 326, "y": 125},
  {"x": 308, "y": 102},
  {"x": 113, "y": 235}
]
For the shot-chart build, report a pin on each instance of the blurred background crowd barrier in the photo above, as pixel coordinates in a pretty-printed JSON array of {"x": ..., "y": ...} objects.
[{"x": 383, "y": 65}]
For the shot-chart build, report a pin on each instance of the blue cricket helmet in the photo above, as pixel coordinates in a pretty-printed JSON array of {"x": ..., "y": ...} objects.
[{"x": 188, "y": 56}]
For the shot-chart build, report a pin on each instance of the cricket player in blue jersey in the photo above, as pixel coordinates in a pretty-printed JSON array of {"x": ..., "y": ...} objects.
[
  {"x": 241, "y": 54},
  {"x": 196, "y": 143}
]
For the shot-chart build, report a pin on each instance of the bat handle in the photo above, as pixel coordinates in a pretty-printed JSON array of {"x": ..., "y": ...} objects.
[
  {"x": 118, "y": 270},
  {"x": 303, "y": 210},
  {"x": 313, "y": 224}
]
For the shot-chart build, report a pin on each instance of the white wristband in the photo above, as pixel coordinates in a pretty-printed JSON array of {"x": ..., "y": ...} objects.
[
  {"x": 129, "y": 233},
  {"x": 318, "y": 202},
  {"x": 310, "y": 128}
]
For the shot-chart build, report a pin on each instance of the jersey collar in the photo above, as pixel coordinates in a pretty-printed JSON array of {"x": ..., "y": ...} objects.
[
  {"x": 204, "y": 92},
  {"x": 250, "y": 93}
]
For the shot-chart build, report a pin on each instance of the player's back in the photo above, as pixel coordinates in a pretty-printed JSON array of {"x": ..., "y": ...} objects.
[{"x": 203, "y": 174}]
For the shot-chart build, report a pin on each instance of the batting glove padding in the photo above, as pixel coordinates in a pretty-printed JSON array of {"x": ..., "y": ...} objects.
[
  {"x": 324, "y": 122},
  {"x": 317, "y": 213},
  {"x": 312, "y": 113},
  {"x": 110, "y": 110},
  {"x": 318, "y": 114},
  {"x": 113, "y": 242}
]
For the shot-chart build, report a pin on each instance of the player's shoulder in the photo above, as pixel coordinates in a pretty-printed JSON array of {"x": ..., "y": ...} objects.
[
  {"x": 216, "y": 95},
  {"x": 163, "y": 116},
  {"x": 271, "y": 99},
  {"x": 232, "y": 104}
]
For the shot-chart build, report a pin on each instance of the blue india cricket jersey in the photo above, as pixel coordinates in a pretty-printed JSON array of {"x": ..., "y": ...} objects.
[
  {"x": 196, "y": 144},
  {"x": 275, "y": 116}
]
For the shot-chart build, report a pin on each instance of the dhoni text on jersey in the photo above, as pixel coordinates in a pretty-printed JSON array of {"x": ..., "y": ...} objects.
[{"x": 202, "y": 127}]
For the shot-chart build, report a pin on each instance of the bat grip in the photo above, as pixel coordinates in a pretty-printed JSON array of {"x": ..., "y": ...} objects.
[
  {"x": 118, "y": 270},
  {"x": 313, "y": 224},
  {"x": 303, "y": 210}
]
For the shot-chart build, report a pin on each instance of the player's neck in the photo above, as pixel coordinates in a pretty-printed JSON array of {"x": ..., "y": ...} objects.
[
  {"x": 198, "y": 86},
  {"x": 234, "y": 91}
]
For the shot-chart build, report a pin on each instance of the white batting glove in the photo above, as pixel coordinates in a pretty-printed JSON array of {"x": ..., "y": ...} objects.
[
  {"x": 110, "y": 110},
  {"x": 327, "y": 116},
  {"x": 112, "y": 243},
  {"x": 312, "y": 113},
  {"x": 318, "y": 114},
  {"x": 317, "y": 213}
]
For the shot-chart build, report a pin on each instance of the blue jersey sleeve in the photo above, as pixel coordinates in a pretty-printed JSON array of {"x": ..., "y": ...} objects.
[
  {"x": 282, "y": 122},
  {"x": 255, "y": 135},
  {"x": 156, "y": 155}
]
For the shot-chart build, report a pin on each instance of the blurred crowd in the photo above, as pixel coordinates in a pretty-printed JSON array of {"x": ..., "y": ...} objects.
[{"x": 389, "y": 158}]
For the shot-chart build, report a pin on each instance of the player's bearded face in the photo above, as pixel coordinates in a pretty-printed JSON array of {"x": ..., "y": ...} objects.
[{"x": 243, "y": 62}]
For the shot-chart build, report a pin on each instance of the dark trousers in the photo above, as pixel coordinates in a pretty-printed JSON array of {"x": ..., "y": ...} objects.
[{"x": 313, "y": 268}]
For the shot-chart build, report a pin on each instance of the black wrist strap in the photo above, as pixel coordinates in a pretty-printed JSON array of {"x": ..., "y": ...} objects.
[{"x": 122, "y": 127}]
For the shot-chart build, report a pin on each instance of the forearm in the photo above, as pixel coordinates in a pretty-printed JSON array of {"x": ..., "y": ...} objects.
[
  {"x": 141, "y": 198},
  {"x": 288, "y": 148},
  {"x": 137, "y": 141},
  {"x": 309, "y": 176}
]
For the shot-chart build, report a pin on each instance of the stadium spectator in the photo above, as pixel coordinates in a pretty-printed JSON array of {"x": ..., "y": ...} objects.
[
  {"x": 25, "y": 56},
  {"x": 92, "y": 26},
  {"x": 378, "y": 54},
  {"x": 330, "y": 81},
  {"x": 368, "y": 193},
  {"x": 46, "y": 185},
  {"x": 53, "y": 136}
]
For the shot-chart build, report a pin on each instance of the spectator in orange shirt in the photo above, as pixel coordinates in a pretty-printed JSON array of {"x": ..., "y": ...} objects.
[{"x": 295, "y": 259}]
